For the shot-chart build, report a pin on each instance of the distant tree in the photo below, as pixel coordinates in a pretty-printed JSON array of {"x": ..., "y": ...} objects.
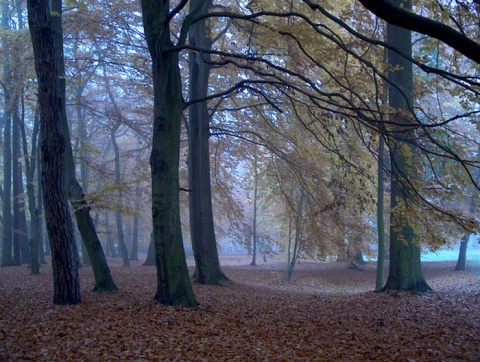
[
  {"x": 254, "y": 236},
  {"x": 136, "y": 221},
  {"x": 21, "y": 249},
  {"x": 118, "y": 212}
]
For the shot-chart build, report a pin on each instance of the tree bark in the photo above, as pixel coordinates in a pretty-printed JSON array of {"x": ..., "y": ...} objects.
[
  {"x": 150, "y": 260},
  {"x": 202, "y": 230},
  {"x": 405, "y": 272},
  {"x": 59, "y": 223},
  {"x": 103, "y": 279},
  {"x": 173, "y": 282}
]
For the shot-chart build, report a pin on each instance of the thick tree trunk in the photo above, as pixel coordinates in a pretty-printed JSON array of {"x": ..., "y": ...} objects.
[
  {"x": 101, "y": 271},
  {"x": 173, "y": 282},
  {"x": 405, "y": 271},
  {"x": 59, "y": 223},
  {"x": 208, "y": 270}
]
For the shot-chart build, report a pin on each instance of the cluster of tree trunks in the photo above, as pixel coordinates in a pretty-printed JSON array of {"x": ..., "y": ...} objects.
[{"x": 59, "y": 182}]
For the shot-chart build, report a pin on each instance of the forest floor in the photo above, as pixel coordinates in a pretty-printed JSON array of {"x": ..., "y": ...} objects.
[{"x": 325, "y": 313}]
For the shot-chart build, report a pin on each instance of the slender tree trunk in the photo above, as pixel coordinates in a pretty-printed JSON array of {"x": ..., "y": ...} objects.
[
  {"x": 379, "y": 282},
  {"x": 118, "y": 214},
  {"x": 7, "y": 239},
  {"x": 136, "y": 220},
  {"x": 293, "y": 261},
  {"x": 42, "y": 245},
  {"x": 405, "y": 272},
  {"x": 254, "y": 226},
  {"x": 298, "y": 233},
  {"x": 20, "y": 233},
  {"x": 118, "y": 176},
  {"x": 208, "y": 270},
  {"x": 101, "y": 271},
  {"x": 30, "y": 166},
  {"x": 81, "y": 146},
  {"x": 110, "y": 244},
  {"x": 59, "y": 223},
  {"x": 173, "y": 282},
  {"x": 20, "y": 213}
]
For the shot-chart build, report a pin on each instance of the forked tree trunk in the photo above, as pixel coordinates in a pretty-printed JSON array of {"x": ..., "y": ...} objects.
[
  {"x": 405, "y": 271},
  {"x": 204, "y": 244},
  {"x": 173, "y": 282},
  {"x": 59, "y": 223}
]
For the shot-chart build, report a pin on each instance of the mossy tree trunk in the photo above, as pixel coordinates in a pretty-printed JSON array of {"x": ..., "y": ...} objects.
[
  {"x": 405, "y": 272},
  {"x": 173, "y": 282},
  {"x": 204, "y": 244}
]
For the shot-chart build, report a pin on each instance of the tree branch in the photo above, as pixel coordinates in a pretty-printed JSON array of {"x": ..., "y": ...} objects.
[{"x": 405, "y": 19}]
